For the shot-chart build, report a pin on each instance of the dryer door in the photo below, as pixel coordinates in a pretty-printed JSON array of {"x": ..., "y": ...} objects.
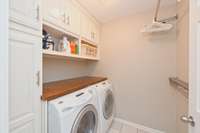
[
  {"x": 86, "y": 121},
  {"x": 108, "y": 104}
]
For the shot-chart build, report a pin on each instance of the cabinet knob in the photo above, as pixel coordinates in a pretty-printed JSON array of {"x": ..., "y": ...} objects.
[
  {"x": 38, "y": 12},
  {"x": 68, "y": 20},
  {"x": 38, "y": 78},
  {"x": 92, "y": 35},
  {"x": 64, "y": 16}
]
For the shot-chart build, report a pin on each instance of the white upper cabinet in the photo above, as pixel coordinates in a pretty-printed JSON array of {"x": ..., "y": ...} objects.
[
  {"x": 25, "y": 86},
  {"x": 66, "y": 15},
  {"x": 25, "y": 58},
  {"x": 94, "y": 32},
  {"x": 71, "y": 17},
  {"x": 53, "y": 12},
  {"x": 89, "y": 29},
  {"x": 26, "y": 12},
  {"x": 85, "y": 26},
  {"x": 63, "y": 14},
  {"x": 74, "y": 19},
  {"x": 98, "y": 30}
]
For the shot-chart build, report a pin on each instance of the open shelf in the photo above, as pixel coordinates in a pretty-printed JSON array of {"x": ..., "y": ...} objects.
[
  {"x": 57, "y": 34},
  {"x": 62, "y": 55},
  {"x": 88, "y": 41}
]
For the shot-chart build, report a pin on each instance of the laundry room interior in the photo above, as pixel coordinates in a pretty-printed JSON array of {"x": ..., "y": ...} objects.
[{"x": 98, "y": 66}]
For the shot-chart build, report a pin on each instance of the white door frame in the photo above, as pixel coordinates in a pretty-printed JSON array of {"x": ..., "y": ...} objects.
[
  {"x": 4, "y": 35},
  {"x": 194, "y": 71}
]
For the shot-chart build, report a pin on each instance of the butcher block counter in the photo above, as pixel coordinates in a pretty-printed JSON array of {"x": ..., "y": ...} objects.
[{"x": 53, "y": 90}]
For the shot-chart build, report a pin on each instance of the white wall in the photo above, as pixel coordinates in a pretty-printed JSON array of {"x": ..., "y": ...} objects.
[
  {"x": 182, "y": 61},
  {"x": 139, "y": 67},
  {"x": 183, "y": 40},
  {"x": 4, "y": 36},
  {"x": 58, "y": 69}
]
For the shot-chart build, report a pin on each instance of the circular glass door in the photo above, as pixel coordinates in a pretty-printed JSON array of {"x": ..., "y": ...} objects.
[
  {"x": 108, "y": 104},
  {"x": 86, "y": 121}
]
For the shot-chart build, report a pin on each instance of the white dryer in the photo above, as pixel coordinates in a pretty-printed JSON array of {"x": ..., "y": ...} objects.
[
  {"x": 74, "y": 113},
  {"x": 106, "y": 105}
]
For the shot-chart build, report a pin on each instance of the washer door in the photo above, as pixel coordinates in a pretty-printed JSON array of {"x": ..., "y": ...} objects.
[
  {"x": 108, "y": 104},
  {"x": 86, "y": 121}
]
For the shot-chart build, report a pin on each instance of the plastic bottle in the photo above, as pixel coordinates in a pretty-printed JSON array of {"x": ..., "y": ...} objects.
[{"x": 66, "y": 45}]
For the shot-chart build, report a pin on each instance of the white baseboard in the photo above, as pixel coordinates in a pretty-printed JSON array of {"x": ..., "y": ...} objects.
[{"x": 119, "y": 121}]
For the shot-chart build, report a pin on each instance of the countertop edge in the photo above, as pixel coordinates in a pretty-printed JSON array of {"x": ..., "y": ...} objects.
[{"x": 46, "y": 97}]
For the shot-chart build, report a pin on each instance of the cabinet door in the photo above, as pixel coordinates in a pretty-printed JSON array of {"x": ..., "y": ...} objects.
[
  {"x": 53, "y": 12},
  {"x": 74, "y": 18},
  {"x": 97, "y": 36},
  {"x": 94, "y": 32},
  {"x": 89, "y": 29},
  {"x": 97, "y": 33},
  {"x": 66, "y": 11},
  {"x": 24, "y": 80},
  {"x": 85, "y": 26},
  {"x": 26, "y": 12}
]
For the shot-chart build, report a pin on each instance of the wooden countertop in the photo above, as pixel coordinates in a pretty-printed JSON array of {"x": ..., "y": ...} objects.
[{"x": 53, "y": 90}]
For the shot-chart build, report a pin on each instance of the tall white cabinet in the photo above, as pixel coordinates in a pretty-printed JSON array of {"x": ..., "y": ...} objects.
[
  {"x": 25, "y": 61},
  {"x": 26, "y": 12}
]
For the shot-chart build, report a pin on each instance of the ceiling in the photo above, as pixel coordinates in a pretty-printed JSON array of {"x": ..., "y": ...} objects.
[{"x": 106, "y": 10}]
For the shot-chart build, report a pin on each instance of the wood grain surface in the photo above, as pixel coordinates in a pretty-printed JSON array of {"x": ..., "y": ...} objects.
[{"x": 53, "y": 90}]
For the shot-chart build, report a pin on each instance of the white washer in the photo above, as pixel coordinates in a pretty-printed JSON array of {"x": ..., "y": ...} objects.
[
  {"x": 74, "y": 113},
  {"x": 106, "y": 105}
]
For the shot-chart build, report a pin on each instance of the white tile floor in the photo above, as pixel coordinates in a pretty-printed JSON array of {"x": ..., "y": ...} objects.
[{"x": 122, "y": 128}]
